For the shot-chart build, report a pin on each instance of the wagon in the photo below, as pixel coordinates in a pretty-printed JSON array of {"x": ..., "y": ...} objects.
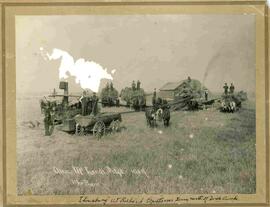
[
  {"x": 134, "y": 98},
  {"x": 109, "y": 97},
  {"x": 98, "y": 124},
  {"x": 109, "y": 101}
]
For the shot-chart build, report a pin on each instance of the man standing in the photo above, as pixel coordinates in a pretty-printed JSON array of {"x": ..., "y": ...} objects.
[
  {"x": 48, "y": 120},
  {"x": 95, "y": 104},
  {"x": 84, "y": 101},
  {"x": 133, "y": 86},
  {"x": 154, "y": 98},
  {"x": 225, "y": 89},
  {"x": 231, "y": 88},
  {"x": 138, "y": 85},
  {"x": 111, "y": 86},
  {"x": 206, "y": 94},
  {"x": 107, "y": 86}
]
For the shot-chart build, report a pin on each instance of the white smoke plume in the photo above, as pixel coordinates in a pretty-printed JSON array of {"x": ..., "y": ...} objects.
[{"x": 87, "y": 73}]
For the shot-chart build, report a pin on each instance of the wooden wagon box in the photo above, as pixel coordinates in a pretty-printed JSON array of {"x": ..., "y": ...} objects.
[{"x": 69, "y": 125}]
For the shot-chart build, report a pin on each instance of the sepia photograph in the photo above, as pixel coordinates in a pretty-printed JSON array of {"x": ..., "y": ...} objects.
[{"x": 136, "y": 104}]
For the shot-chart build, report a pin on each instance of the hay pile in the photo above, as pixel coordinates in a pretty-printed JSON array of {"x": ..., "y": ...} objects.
[
  {"x": 109, "y": 92},
  {"x": 190, "y": 89},
  {"x": 189, "y": 95},
  {"x": 128, "y": 94}
]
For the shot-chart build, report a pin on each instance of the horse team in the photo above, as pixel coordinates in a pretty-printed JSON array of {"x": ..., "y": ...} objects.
[{"x": 158, "y": 114}]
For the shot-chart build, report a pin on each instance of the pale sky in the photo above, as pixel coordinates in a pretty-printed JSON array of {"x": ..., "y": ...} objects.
[{"x": 154, "y": 49}]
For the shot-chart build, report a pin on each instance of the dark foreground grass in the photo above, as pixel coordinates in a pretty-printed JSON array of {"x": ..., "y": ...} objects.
[{"x": 201, "y": 152}]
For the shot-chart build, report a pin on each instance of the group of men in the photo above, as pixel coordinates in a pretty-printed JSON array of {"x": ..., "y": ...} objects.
[
  {"x": 109, "y": 86},
  {"x": 89, "y": 104},
  {"x": 136, "y": 87},
  {"x": 227, "y": 89}
]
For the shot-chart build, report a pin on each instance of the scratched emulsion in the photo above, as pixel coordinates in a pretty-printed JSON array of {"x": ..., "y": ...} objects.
[{"x": 87, "y": 73}]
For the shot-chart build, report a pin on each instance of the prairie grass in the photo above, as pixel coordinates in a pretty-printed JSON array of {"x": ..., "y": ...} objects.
[{"x": 201, "y": 152}]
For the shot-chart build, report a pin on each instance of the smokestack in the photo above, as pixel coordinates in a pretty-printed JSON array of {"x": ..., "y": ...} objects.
[{"x": 64, "y": 85}]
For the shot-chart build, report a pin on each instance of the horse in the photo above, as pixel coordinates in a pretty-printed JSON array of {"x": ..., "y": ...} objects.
[
  {"x": 232, "y": 106},
  {"x": 166, "y": 116},
  {"x": 159, "y": 114},
  {"x": 150, "y": 117},
  {"x": 228, "y": 106}
]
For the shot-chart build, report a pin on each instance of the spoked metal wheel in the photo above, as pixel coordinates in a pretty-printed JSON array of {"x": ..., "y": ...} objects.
[
  {"x": 79, "y": 130},
  {"x": 99, "y": 129},
  {"x": 115, "y": 126}
]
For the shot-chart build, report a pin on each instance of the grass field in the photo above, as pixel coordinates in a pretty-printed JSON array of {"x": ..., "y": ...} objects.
[{"x": 201, "y": 152}]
